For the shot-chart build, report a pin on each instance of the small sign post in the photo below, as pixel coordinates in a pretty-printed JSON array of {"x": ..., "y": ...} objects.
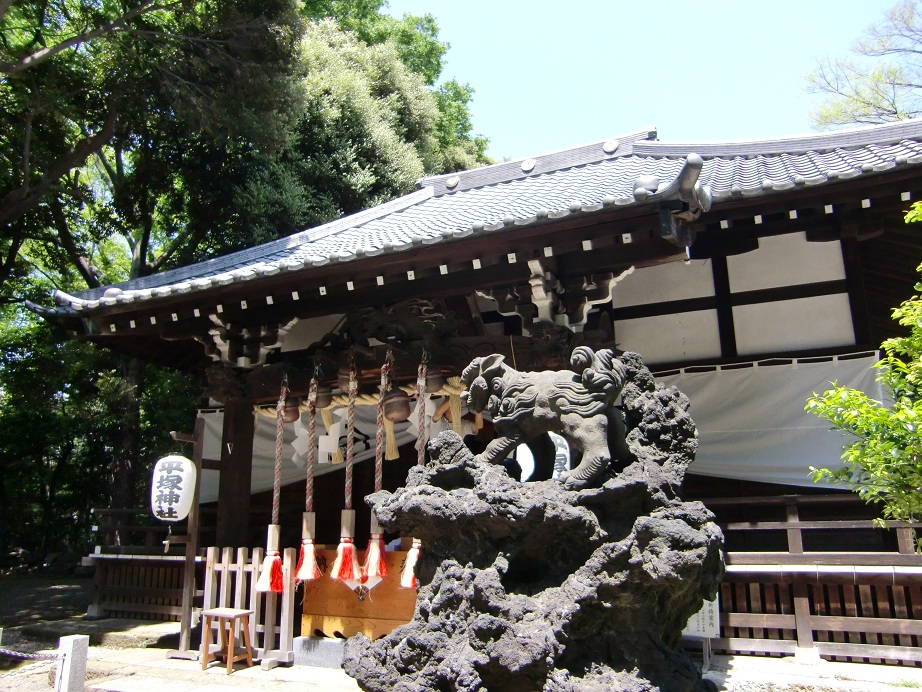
[{"x": 705, "y": 625}]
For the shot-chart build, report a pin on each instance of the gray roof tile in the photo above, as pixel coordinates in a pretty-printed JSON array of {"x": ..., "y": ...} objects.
[{"x": 581, "y": 180}]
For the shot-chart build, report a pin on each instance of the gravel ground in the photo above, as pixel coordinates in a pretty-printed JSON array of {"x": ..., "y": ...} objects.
[{"x": 27, "y": 600}]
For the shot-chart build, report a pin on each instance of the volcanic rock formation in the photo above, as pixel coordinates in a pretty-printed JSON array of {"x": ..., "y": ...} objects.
[{"x": 537, "y": 586}]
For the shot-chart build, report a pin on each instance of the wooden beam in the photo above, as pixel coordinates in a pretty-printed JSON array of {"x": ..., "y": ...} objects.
[
  {"x": 724, "y": 298},
  {"x": 857, "y": 295}
]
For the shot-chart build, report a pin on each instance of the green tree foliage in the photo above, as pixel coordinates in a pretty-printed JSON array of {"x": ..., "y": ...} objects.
[
  {"x": 883, "y": 463},
  {"x": 60, "y": 432},
  {"x": 367, "y": 130},
  {"x": 881, "y": 81},
  {"x": 77, "y": 76},
  {"x": 142, "y": 135}
]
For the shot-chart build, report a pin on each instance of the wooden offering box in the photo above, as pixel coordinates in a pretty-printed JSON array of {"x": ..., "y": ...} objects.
[{"x": 331, "y": 609}]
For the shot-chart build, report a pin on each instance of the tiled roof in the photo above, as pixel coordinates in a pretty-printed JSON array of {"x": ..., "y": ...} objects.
[{"x": 632, "y": 169}]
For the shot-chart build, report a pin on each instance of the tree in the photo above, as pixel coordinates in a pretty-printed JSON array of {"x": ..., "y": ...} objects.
[
  {"x": 883, "y": 463},
  {"x": 77, "y": 76},
  {"x": 60, "y": 432},
  {"x": 234, "y": 123},
  {"x": 881, "y": 82}
]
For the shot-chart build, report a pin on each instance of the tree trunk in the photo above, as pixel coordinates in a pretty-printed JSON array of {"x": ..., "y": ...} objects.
[{"x": 125, "y": 478}]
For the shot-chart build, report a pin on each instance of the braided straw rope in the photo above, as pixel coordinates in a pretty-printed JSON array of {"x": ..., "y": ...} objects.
[
  {"x": 311, "y": 442},
  {"x": 350, "y": 434},
  {"x": 279, "y": 436},
  {"x": 379, "y": 429},
  {"x": 421, "y": 408}
]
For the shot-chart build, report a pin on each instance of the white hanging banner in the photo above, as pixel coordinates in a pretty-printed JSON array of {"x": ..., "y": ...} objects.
[{"x": 172, "y": 488}]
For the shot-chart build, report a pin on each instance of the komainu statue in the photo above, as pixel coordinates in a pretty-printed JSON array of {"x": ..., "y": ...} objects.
[
  {"x": 579, "y": 405},
  {"x": 582, "y": 586}
]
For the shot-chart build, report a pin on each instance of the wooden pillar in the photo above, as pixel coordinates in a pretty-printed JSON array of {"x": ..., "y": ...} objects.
[
  {"x": 185, "y": 651},
  {"x": 236, "y": 468}
]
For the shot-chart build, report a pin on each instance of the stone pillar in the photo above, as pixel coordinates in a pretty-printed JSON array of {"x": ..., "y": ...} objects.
[{"x": 72, "y": 670}]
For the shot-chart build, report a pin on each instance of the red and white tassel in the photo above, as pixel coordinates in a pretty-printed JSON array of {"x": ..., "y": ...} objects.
[
  {"x": 346, "y": 566},
  {"x": 375, "y": 566},
  {"x": 408, "y": 577},
  {"x": 308, "y": 568},
  {"x": 270, "y": 576}
]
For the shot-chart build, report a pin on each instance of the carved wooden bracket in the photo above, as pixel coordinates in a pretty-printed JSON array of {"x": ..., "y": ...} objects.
[{"x": 243, "y": 347}]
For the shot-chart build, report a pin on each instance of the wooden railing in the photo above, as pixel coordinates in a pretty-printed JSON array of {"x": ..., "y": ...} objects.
[
  {"x": 139, "y": 572},
  {"x": 137, "y": 532},
  {"x": 840, "y": 588}
]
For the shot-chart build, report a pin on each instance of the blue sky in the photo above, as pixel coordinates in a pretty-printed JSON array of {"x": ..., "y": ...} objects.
[{"x": 551, "y": 74}]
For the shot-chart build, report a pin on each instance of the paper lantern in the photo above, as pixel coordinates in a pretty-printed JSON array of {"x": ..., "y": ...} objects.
[{"x": 172, "y": 488}]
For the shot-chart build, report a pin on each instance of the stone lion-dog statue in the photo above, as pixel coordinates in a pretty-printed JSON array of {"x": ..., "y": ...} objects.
[{"x": 579, "y": 406}]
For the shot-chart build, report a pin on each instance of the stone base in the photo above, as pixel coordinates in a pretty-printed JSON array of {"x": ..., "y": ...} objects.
[{"x": 322, "y": 652}]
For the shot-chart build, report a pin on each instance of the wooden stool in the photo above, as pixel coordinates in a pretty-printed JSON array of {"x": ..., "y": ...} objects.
[{"x": 227, "y": 618}]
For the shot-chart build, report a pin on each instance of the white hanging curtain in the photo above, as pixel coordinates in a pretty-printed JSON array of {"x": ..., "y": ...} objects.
[{"x": 751, "y": 420}]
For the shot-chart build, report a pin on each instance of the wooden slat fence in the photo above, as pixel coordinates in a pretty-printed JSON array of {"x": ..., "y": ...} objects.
[
  {"x": 143, "y": 587},
  {"x": 230, "y": 582},
  {"x": 863, "y": 605}
]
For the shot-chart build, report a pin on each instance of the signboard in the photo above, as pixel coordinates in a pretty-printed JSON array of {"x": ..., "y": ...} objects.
[
  {"x": 705, "y": 623},
  {"x": 172, "y": 488}
]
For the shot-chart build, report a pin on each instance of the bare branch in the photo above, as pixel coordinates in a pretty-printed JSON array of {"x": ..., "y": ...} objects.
[
  {"x": 171, "y": 249},
  {"x": 17, "y": 238}
]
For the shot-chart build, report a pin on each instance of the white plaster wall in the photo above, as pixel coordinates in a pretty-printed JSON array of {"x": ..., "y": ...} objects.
[
  {"x": 664, "y": 282},
  {"x": 789, "y": 325},
  {"x": 785, "y": 260},
  {"x": 667, "y": 338}
]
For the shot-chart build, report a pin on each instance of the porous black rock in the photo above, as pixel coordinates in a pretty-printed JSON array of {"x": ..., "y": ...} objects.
[{"x": 533, "y": 586}]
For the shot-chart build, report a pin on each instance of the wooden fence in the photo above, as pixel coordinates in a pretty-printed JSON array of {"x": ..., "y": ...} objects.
[
  {"x": 230, "y": 582},
  {"x": 809, "y": 594},
  {"x": 145, "y": 587}
]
